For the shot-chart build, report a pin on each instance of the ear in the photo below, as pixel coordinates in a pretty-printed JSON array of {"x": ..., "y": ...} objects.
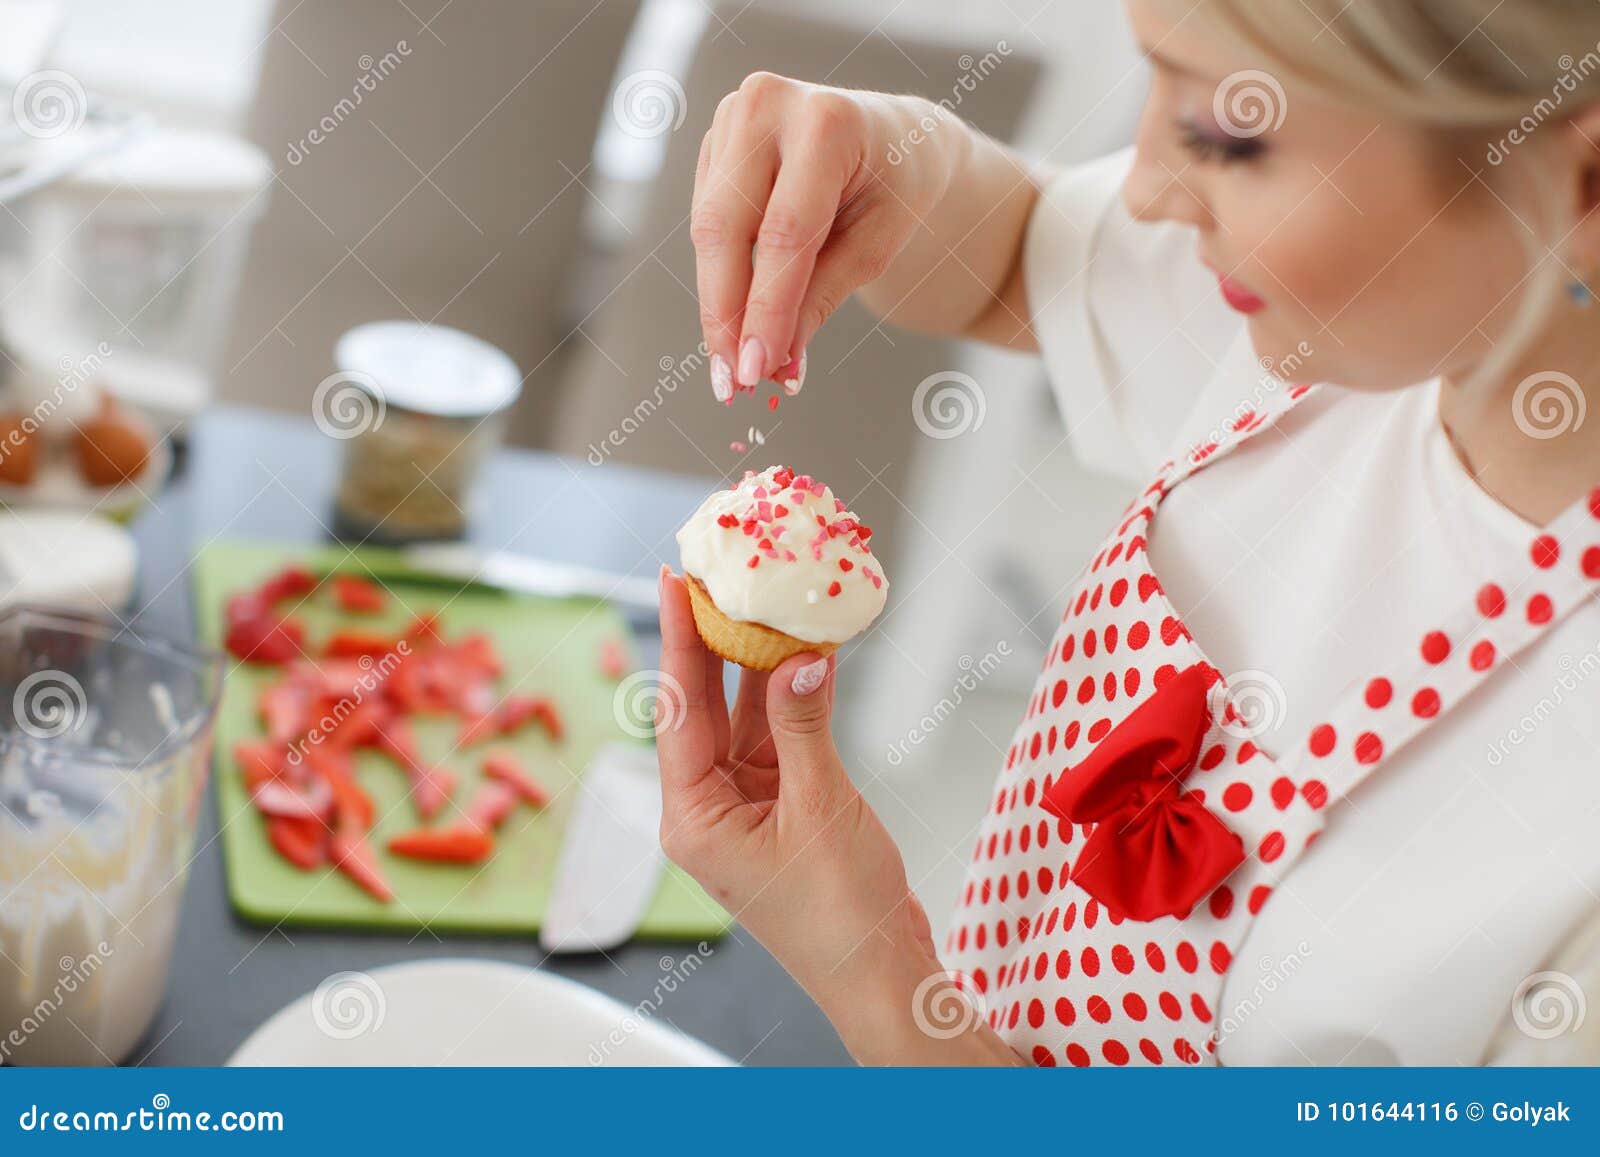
[{"x": 1581, "y": 147}]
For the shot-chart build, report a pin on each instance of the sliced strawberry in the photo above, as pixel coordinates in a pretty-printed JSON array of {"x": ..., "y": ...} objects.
[
  {"x": 491, "y": 805},
  {"x": 352, "y": 855},
  {"x": 424, "y": 630},
  {"x": 463, "y": 844},
  {"x": 344, "y": 723},
  {"x": 477, "y": 651},
  {"x": 477, "y": 728},
  {"x": 358, "y": 595},
  {"x": 292, "y": 582},
  {"x": 245, "y": 606},
  {"x": 286, "y": 709},
  {"x": 351, "y": 803},
  {"x": 259, "y": 760},
  {"x": 302, "y": 842},
  {"x": 278, "y": 797},
  {"x": 431, "y": 788},
  {"x": 351, "y": 644},
  {"x": 505, "y": 769},
  {"x": 265, "y": 639},
  {"x": 519, "y": 710},
  {"x": 613, "y": 659}
]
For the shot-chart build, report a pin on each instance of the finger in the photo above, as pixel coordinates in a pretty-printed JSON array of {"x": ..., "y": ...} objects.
[
  {"x": 686, "y": 730},
  {"x": 798, "y": 218},
  {"x": 722, "y": 227},
  {"x": 717, "y": 700},
  {"x": 752, "y": 734},
  {"x": 810, "y": 773},
  {"x": 856, "y": 255}
]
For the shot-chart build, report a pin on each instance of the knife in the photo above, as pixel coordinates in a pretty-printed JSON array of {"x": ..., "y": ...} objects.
[
  {"x": 525, "y": 575},
  {"x": 611, "y": 862}
]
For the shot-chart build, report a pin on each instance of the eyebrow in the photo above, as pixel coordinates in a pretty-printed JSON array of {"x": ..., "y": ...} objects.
[{"x": 1167, "y": 64}]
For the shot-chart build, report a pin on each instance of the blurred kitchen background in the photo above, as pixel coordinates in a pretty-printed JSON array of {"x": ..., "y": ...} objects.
[{"x": 271, "y": 175}]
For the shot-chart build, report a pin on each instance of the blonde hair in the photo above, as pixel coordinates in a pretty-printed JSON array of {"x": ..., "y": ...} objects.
[{"x": 1488, "y": 73}]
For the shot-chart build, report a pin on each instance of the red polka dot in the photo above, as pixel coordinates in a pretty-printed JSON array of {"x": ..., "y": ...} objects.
[
  {"x": 1436, "y": 646},
  {"x": 1237, "y": 797},
  {"x": 1282, "y": 792},
  {"x": 1258, "y": 897},
  {"x": 1201, "y": 1009},
  {"x": 1369, "y": 748},
  {"x": 1043, "y": 1058},
  {"x": 1188, "y": 959},
  {"x": 1482, "y": 657},
  {"x": 1379, "y": 692},
  {"x": 1491, "y": 601},
  {"x": 1540, "y": 610},
  {"x": 1154, "y": 957},
  {"x": 1220, "y": 958},
  {"x": 1214, "y": 755},
  {"x": 1035, "y": 1012},
  {"x": 1063, "y": 963},
  {"x": 1591, "y": 562},
  {"x": 1594, "y": 502},
  {"x": 1115, "y": 1052},
  {"x": 1122, "y": 959},
  {"x": 1425, "y": 703},
  {"x": 1133, "y": 1004},
  {"x": 1170, "y": 1006},
  {"x": 1098, "y": 1009},
  {"x": 1078, "y": 1055},
  {"x": 1546, "y": 551},
  {"x": 1323, "y": 739},
  {"x": 1315, "y": 792},
  {"x": 1089, "y": 959},
  {"x": 1065, "y": 1013},
  {"x": 1185, "y": 1052},
  {"x": 1271, "y": 846},
  {"x": 1151, "y": 1053},
  {"x": 1221, "y": 902}
]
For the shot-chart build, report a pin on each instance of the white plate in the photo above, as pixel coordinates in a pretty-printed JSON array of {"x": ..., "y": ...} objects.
[
  {"x": 58, "y": 486},
  {"x": 468, "y": 1012}
]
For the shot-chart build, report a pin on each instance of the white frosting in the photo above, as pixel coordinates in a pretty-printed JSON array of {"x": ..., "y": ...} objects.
[{"x": 780, "y": 550}]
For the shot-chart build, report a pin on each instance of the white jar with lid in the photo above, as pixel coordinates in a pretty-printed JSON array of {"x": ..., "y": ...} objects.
[{"x": 420, "y": 409}]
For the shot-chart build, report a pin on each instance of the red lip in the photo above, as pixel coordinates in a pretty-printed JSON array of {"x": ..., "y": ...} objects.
[{"x": 1238, "y": 297}]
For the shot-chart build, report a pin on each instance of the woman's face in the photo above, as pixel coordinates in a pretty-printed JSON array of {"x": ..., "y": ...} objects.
[{"x": 1360, "y": 250}]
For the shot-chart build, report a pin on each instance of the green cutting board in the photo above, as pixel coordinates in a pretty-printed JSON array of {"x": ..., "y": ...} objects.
[{"x": 549, "y": 646}]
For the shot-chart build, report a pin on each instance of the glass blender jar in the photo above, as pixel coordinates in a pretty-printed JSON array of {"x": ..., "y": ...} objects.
[{"x": 105, "y": 742}]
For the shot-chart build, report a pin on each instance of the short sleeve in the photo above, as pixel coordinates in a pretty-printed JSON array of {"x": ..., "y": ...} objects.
[{"x": 1129, "y": 321}]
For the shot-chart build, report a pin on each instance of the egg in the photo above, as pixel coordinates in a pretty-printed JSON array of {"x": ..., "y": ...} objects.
[
  {"x": 19, "y": 450},
  {"x": 112, "y": 447}
]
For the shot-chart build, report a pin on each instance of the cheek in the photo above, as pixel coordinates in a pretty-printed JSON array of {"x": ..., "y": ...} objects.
[{"x": 1381, "y": 284}]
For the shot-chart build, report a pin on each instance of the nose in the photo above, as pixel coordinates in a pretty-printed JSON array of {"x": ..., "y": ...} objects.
[{"x": 1162, "y": 185}]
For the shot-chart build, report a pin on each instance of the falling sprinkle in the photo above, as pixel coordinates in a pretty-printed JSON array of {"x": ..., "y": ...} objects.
[
  {"x": 772, "y": 402},
  {"x": 811, "y": 595},
  {"x": 738, "y": 447},
  {"x": 834, "y": 588}
]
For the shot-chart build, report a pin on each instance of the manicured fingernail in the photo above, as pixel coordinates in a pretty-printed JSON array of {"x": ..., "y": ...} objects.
[
  {"x": 661, "y": 579},
  {"x": 721, "y": 378},
  {"x": 793, "y": 375},
  {"x": 752, "y": 361},
  {"x": 808, "y": 678}
]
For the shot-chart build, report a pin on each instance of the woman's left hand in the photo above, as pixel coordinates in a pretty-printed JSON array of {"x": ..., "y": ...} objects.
[{"x": 758, "y": 808}]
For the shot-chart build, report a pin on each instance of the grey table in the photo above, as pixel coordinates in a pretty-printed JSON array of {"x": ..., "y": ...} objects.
[{"x": 250, "y": 474}]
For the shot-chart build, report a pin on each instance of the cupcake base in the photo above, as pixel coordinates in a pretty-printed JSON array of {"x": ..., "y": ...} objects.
[{"x": 752, "y": 645}]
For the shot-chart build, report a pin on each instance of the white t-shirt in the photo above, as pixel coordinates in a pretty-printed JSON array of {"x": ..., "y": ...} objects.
[{"x": 1315, "y": 554}]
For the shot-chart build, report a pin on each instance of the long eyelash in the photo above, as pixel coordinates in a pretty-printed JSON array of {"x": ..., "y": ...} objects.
[{"x": 1223, "y": 151}]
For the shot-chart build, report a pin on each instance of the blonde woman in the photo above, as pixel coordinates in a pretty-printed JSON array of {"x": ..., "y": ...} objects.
[{"x": 1312, "y": 771}]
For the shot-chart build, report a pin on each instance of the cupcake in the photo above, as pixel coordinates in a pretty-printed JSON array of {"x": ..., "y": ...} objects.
[{"x": 775, "y": 566}]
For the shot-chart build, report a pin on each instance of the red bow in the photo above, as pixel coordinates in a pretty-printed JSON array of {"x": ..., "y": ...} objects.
[{"x": 1155, "y": 850}]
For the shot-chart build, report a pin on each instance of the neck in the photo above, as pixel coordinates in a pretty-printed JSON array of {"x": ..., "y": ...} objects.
[{"x": 1528, "y": 438}]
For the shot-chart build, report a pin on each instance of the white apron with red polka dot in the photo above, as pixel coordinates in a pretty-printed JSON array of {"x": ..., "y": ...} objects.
[{"x": 1065, "y": 977}]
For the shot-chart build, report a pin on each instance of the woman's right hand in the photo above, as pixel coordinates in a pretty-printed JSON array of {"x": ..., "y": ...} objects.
[{"x": 827, "y": 187}]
